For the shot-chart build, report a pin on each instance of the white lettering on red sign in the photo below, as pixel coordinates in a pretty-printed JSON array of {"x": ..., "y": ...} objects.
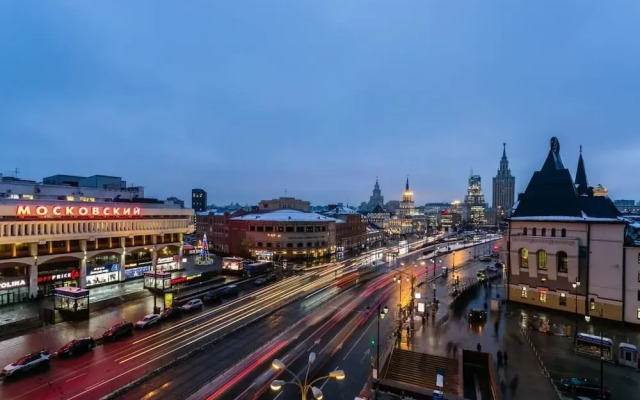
[{"x": 72, "y": 211}]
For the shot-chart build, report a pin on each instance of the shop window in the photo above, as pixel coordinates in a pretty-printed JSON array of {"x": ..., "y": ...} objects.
[
  {"x": 534, "y": 231},
  {"x": 524, "y": 293},
  {"x": 563, "y": 233},
  {"x": 524, "y": 258},
  {"x": 289, "y": 229},
  {"x": 260, "y": 228},
  {"x": 563, "y": 299},
  {"x": 544, "y": 232},
  {"x": 299, "y": 229},
  {"x": 543, "y": 296},
  {"x": 562, "y": 262},
  {"x": 524, "y": 231},
  {"x": 542, "y": 259},
  {"x": 553, "y": 232}
]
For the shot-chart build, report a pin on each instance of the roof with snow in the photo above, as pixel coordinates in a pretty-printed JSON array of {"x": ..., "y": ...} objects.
[
  {"x": 285, "y": 215},
  {"x": 552, "y": 195},
  {"x": 341, "y": 210}
]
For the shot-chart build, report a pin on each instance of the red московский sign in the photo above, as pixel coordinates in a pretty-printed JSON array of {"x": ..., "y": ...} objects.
[{"x": 77, "y": 211}]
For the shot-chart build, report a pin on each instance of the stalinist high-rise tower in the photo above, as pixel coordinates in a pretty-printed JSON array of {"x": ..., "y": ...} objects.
[{"x": 504, "y": 185}]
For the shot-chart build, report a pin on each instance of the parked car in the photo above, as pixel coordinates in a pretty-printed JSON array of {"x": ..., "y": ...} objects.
[
  {"x": 583, "y": 387},
  {"x": 148, "y": 320},
  {"x": 171, "y": 313},
  {"x": 260, "y": 281},
  {"x": 195, "y": 304},
  {"x": 29, "y": 362},
  {"x": 477, "y": 315},
  {"x": 484, "y": 258},
  {"x": 229, "y": 291},
  {"x": 272, "y": 277},
  {"x": 118, "y": 331},
  {"x": 298, "y": 269},
  {"x": 76, "y": 347}
]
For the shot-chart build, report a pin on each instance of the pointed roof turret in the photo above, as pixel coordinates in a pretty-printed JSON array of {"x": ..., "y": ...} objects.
[
  {"x": 582, "y": 185},
  {"x": 553, "y": 161}
]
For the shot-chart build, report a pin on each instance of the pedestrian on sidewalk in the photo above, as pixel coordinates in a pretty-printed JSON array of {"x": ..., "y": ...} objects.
[
  {"x": 505, "y": 357},
  {"x": 479, "y": 347},
  {"x": 514, "y": 384},
  {"x": 499, "y": 359}
]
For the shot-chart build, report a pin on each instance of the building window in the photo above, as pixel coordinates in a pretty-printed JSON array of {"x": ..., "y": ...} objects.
[
  {"x": 260, "y": 228},
  {"x": 524, "y": 293},
  {"x": 324, "y": 228},
  {"x": 524, "y": 231},
  {"x": 290, "y": 229},
  {"x": 543, "y": 296},
  {"x": 553, "y": 232},
  {"x": 563, "y": 233},
  {"x": 592, "y": 304},
  {"x": 269, "y": 245},
  {"x": 281, "y": 229},
  {"x": 290, "y": 245},
  {"x": 268, "y": 228},
  {"x": 638, "y": 313},
  {"x": 638, "y": 295},
  {"x": 563, "y": 299},
  {"x": 544, "y": 231},
  {"x": 299, "y": 229},
  {"x": 534, "y": 231},
  {"x": 309, "y": 244},
  {"x": 524, "y": 258},
  {"x": 638, "y": 276},
  {"x": 309, "y": 229},
  {"x": 259, "y": 244},
  {"x": 542, "y": 259},
  {"x": 252, "y": 228},
  {"x": 317, "y": 228},
  {"x": 563, "y": 264}
]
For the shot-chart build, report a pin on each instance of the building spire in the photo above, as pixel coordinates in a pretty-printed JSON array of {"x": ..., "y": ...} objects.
[
  {"x": 407, "y": 188},
  {"x": 581, "y": 177},
  {"x": 504, "y": 151}
]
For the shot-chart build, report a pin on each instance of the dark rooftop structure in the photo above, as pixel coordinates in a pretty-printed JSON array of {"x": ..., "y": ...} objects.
[{"x": 552, "y": 193}]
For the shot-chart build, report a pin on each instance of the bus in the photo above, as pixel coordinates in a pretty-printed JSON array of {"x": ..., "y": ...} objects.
[{"x": 594, "y": 346}]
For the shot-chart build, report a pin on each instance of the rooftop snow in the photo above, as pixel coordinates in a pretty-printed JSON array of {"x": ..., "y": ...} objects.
[
  {"x": 284, "y": 216},
  {"x": 584, "y": 218}
]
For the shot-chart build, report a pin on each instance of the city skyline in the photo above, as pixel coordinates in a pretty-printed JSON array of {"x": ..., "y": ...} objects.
[{"x": 247, "y": 102}]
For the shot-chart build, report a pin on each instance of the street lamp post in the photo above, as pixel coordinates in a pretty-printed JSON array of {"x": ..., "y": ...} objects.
[
  {"x": 306, "y": 386},
  {"x": 588, "y": 318},
  {"x": 453, "y": 262},
  {"x": 382, "y": 312},
  {"x": 576, "y": 285}
]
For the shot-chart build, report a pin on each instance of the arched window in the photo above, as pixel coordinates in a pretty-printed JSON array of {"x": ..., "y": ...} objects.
[
  {"x": 562, "y": 262},
  {"x": 553, "y": 232},
  {"x": 542, "y": 259},
  {"x": 534, "y": 231},
  {"x": 544, "y": 231},
  {"x": 259, "y": 244},
  {"x": 564, "y": 232},
  {"x": 524, "y": 258},
  {"x": 289, "y": 245},
  {"x": 524, "y": 231},
  {"x": 269, "y": 244}
]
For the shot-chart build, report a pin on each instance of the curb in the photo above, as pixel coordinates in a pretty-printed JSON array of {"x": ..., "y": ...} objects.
[{"x": 545, "y": 372}]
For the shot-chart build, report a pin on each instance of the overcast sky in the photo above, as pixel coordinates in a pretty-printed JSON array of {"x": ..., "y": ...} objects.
[{"x": 248, "y": 98}]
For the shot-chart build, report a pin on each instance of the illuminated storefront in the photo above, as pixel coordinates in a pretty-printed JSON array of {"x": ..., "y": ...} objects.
[{"x": 67, "y": 243}]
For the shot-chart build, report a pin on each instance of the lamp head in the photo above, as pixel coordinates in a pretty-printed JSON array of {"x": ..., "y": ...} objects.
[
  {"x": 385, "y": 310},
  {"x": 277, "y": 364},
  {"x": 338, "y": 374},
  {"x": 312, "y": 357},
  {"x": 277, "y": 384},
  {"x": 317, "y": 393},
  {"x": 587, "y": 318}
]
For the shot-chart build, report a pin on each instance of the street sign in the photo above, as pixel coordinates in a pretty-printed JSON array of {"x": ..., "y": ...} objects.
[{"x": 437, "y": 395}]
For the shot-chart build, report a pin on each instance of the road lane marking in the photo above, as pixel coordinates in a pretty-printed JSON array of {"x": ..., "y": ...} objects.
[
  {"x": 358, "y": 341},
  {"x": 75, "y": 377}
]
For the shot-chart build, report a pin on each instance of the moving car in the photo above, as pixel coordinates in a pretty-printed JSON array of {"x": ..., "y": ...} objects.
[
  {"x": 191, "y": 305},
  {"x": 118, "y": 331},
  {"x": 484, "y": 258},
  {"x": 229, "y": 291},
  {"x": 27, "y": 363},
  {"x": 477, "y": 315},
  {"x": 148, "y": 320},
  {"x": 583, "y": 387},
  {"x": 481, "y": 276},
  {"x": 271, "y": 277},
  {"x": 76, "y": 347},
  {"x": 171, "y": 313},
  {"x": 260, "y": 281}
]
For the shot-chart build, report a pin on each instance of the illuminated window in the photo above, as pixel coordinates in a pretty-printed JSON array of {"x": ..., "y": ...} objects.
[
  {"x": 71, "y": 198},
  {"x": 592, "y": 304},
  {"x": 543, "y": 297},
  {"x": 563, "y": 299},
  {"x": 524, "y": 258},
  {"x": 524, "y": 293},
  {"x": 563, "y": 265},
  {"x": 27, "y": 197},
  {"x": 542, "y": 259},
  {"x": 638, "y": 313}
]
